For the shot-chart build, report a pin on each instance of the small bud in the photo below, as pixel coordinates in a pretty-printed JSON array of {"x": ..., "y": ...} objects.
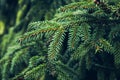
[{"x": 97, "y": 1}]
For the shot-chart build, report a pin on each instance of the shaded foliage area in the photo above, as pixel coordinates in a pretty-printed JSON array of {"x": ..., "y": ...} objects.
[{"x": 80, "y": 42}]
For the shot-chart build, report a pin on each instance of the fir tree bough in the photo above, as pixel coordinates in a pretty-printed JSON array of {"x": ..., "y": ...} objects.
[{"x": 80, "y": 39}]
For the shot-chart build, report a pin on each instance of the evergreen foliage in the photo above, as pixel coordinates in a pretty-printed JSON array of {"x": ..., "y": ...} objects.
[{"x": 81, "y": 38}]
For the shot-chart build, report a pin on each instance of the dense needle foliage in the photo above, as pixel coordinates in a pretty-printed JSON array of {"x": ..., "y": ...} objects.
[{"x": 80, "y": 42}]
